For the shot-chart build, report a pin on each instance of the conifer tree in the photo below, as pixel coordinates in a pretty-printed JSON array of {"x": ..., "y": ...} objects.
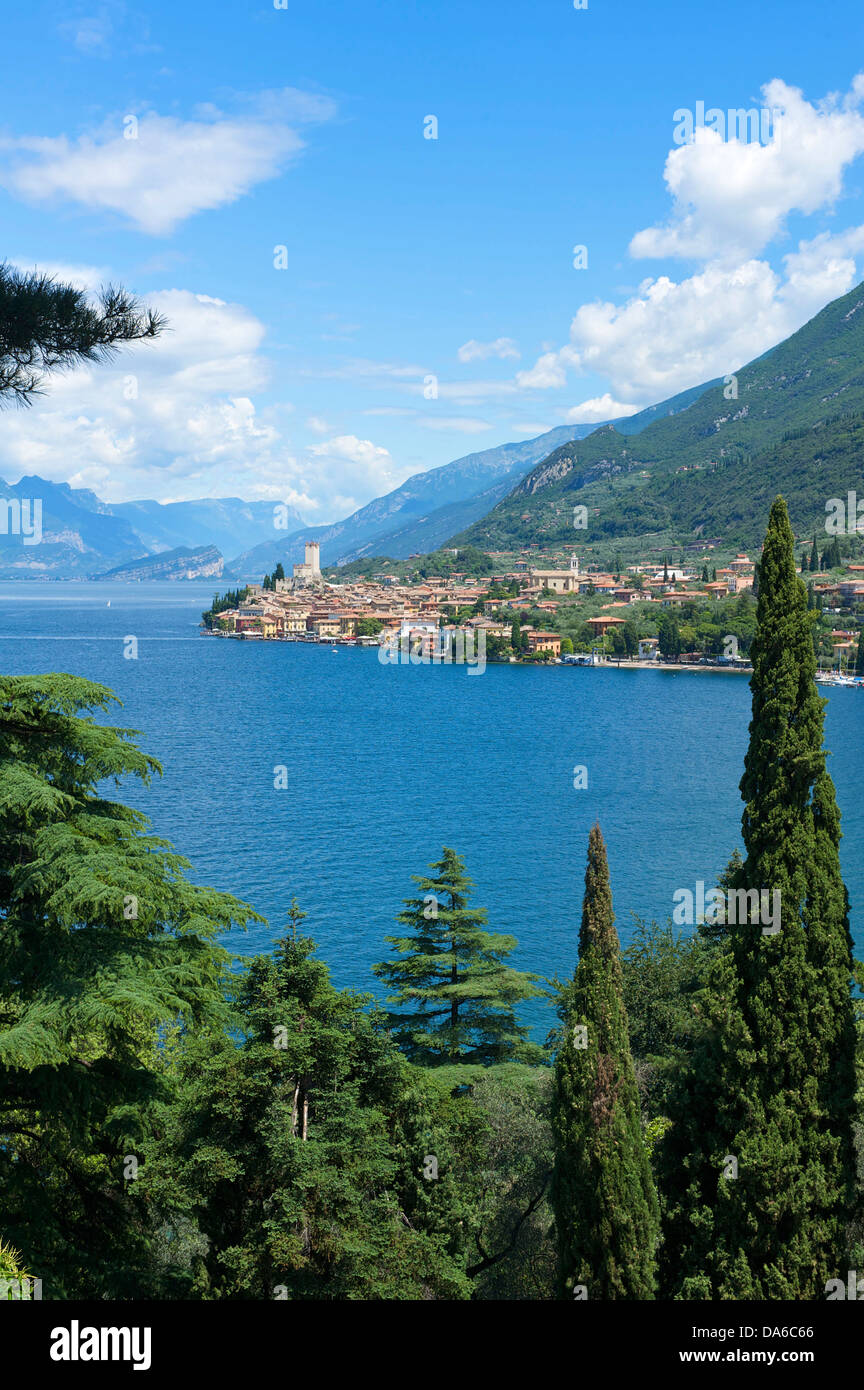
[
  {"x": 814, "y": 558},
  {"x": 457, "y": 992},
  {"x": 295, "y": 1153},
  {"x": 763, "y": 1164},
  {"x": 46, "y": 327},
  {"x": 606, "y": 1211},
  {"x": 859, "y": 658},
  {"x": 103, "y": 942}
]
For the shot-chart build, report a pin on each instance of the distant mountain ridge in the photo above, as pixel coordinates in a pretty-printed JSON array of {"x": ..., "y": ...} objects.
[
  {"x": 81, "y": 536},
  {"x": 425, "y": 510},
  {"x": 205, "y": 562}
]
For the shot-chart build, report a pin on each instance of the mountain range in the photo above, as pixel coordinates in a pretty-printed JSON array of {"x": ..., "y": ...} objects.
[
  {"x": 83, "y": 537},
  {"x": 704, "y": 464},
  {"x": 426, "y": 510}
]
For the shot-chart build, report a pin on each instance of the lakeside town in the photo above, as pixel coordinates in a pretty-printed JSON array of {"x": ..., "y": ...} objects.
[{"x": 678, "y": 615}]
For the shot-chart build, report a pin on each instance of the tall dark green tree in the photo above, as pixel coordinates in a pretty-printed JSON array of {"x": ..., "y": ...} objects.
[
  {"x": 763, "y": 1161},
  {"x": 606, "y": 1211},
  {"x": 456, "y": 993},
  {"x": 103, "y": 942},
  {"x": 859, "y": 656},
  {"x": 669, "y": 635},
  {"x": 294, "y": 1153},
  {"x": 814, "y": 558}
]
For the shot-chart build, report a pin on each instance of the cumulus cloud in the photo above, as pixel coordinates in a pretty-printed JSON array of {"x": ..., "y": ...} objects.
[
  {"x": 732, "y": 197},
  {"x": 365, "y": 467},
  {"x": 599, "y": 408},
  {"x": 175, "y": 417},
  {"x": 548, "y": 372},
  {"x": 674, "y": 334},
  {"x": 156, "y": 171},
  {"x": 472, "y": 351}
]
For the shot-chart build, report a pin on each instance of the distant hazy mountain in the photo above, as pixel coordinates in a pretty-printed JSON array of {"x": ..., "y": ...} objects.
[
  {"x": 83, "y": 536},
  {"x": 408, "y": 508},
  {"x": 205, "y": 562},
  {"x": 78, "y": 532},
  {"x": 226, "y": 522}
]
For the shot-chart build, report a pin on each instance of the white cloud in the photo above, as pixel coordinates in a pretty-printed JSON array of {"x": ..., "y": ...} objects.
[
  {"x": 671, "y": 335},
  {"x": 730, "y": 200},
  {"x": 171, "y": 170},
  {"x": 529, "y": 429},
  {"x": 547, "y": 373},
  {"x": 471, "y": 392},
  {"x": 366, "y": 468},
  {"x": 599, "y": 408},
  {"x": 472, "y": 351},
  {"x": 731, "y": 197},
  {"x": 175, "y": 417},
  {"x": 317, "y": 425}
]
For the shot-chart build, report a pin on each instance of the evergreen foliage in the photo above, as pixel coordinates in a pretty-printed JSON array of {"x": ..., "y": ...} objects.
[
  {"x": 606, "y": 1211},
  {"x": 103, "y": 942},
  {"x": 762, "y": 1145},
  {"x": 46, "y": 327},
  {"x": 450, "y": 976}
]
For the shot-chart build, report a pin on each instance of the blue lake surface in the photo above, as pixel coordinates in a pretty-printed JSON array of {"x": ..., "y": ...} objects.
[{"x": 386, "y": 764}]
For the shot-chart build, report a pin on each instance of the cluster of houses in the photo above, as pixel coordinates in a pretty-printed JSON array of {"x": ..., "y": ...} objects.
[
  {"x": 306, "y": 607},
  {"x": 384, "y": 607}
]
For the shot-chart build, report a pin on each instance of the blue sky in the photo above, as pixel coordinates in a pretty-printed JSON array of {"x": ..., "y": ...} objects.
[{"x": 408, "y": 258}]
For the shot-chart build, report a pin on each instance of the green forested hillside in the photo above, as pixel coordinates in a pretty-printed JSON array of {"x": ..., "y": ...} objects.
[{"x": 796, "y": 426}]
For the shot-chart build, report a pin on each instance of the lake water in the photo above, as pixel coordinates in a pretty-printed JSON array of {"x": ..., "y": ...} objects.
[{"x": 388, "y": 763}]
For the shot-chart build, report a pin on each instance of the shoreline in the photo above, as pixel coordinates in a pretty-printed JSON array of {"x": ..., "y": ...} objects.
[{"x": 607, "y": 665}]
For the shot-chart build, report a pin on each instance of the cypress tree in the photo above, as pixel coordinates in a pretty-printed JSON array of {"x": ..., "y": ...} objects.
[
  {"x": 814, "y": 558},
  {"x": 606, "y": 1212},
  {"x": 859, "y": 659},
  {"x": 764, "y": 1167}
]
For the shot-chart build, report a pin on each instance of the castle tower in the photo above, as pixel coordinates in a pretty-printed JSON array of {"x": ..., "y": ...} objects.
[{"x": 312, "y": 557}]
